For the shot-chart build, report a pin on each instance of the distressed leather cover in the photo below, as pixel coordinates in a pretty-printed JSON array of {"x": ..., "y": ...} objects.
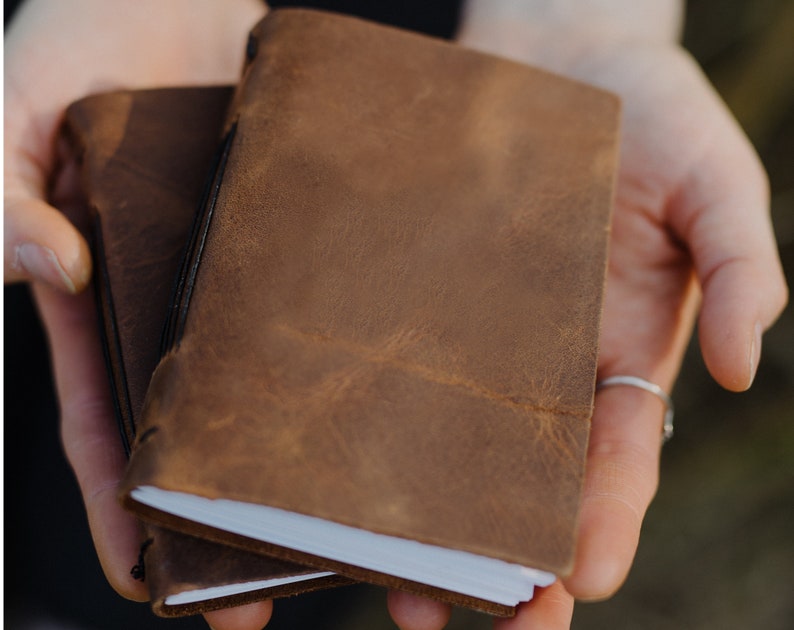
[
  {"x": 143, "y": 158},
  {"x": 392, "y": 311}
]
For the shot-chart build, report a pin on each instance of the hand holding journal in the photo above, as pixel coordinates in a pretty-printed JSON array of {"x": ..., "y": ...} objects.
[
  {"x": 142, "y": 156},
  {"x": 380, "y": 358}
]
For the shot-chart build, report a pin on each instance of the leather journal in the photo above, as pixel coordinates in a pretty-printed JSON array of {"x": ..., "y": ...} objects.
[
  {"x": 380, "y": 354},
  {"x": 143, "y": 158}
]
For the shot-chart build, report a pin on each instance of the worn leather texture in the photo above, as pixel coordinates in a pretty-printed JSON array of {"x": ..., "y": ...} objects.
[
  {"x": 394, "y": 313},
  {"x": 143, "y": 159}
]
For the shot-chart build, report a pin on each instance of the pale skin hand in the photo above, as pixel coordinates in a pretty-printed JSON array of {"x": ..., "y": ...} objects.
[
  {"x": 691, "y": 214},
  {"x": 55, "y": 53},
  {"x": 691, "y": 238}
]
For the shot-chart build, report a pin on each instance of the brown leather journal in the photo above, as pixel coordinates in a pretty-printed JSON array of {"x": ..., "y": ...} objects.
[
  {"x": 143, "y": 158},
  {"x": 382, "y": 349}
]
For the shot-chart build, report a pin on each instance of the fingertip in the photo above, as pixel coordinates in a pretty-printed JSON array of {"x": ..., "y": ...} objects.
[
  {"x": 551, "y": 608},
  {"x": 119, "y": 566},
  {"x": 119, "y": 572},
  {"x": 253, "y": 616},
  {"x": 605, "y": 553},
  {"x": 600, "y": 583},
  {"x": 412, "y": 612},
  {"x": 730, "y": 336},
  {"x": 77, "y": 263},
  {"x": 42, "y": 245},
  {"x": 68, "y": 272},
  {"x": 131, "y": 589},
  {"x": 117, "y": 538}
]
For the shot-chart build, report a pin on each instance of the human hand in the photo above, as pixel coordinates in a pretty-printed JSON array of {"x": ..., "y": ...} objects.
[
  {"x": 691, "y": 232},
  {"x": 673, "y": 185},
  {"x": 55, "y": 53}
]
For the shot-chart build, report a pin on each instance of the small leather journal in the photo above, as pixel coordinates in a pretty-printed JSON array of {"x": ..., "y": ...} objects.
[
  {"x": 143, "y": 157},
  {"x": 380, "y": 353}
]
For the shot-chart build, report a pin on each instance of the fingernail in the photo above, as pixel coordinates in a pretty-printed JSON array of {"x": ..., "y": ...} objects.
[
  {"x": 755, "y": 352},
  {"x": 42, "y": 263}
]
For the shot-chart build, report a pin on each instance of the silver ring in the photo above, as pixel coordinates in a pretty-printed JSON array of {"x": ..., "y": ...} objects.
[{"x": 653, "y": 388}]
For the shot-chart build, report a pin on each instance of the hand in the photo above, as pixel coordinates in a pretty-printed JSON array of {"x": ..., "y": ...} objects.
[
  {"x": 662, "y": 200},
  {"x": 690, "y": 230},
  {"x": 57, "y": 52}
]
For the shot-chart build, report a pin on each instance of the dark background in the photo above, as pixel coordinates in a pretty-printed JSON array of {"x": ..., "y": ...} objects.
[{"x": 718, "y": 544}]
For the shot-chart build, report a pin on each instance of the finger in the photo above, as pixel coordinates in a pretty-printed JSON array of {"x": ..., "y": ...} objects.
[
  {"x": 722, "y": 213},
  {"x": 411, "y": 612},
  {"x": 550, "y": 609},
  {"x": 41, "y": 244},
  {"x": 622, "y": 476},
  {"x": 89, "y": 433},
  {"x": 249, "y": 617}
]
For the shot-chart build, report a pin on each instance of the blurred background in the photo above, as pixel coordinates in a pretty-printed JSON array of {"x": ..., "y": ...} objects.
[{"x": 717, "y": 549}]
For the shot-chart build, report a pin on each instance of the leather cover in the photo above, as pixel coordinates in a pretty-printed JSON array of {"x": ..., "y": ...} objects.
[
  {"x": 143, "y": 158},
  {"x": 390, "y": 314}
]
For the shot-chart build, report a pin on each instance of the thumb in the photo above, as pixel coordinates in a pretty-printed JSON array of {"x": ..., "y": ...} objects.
[
  {"x": 41, "y": 244},
  {"x": 723, "y": 215}
]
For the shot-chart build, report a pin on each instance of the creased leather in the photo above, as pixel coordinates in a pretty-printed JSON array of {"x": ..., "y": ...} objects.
[
  {"x": 143, "y": 157},
  {"x": 395, "y": 320}
]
